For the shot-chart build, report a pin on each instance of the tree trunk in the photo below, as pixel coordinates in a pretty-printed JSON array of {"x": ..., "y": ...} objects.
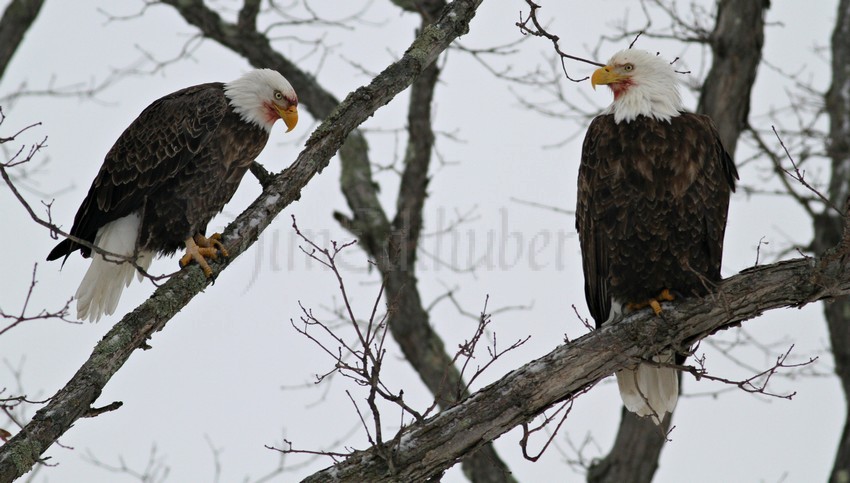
[
  {"x": 725, "y": 96},
  {"x": 828, "y": 225},
  {"x": 634, "y": 456}
]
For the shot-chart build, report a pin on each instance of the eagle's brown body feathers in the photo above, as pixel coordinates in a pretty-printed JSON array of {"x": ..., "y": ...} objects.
[{"x": 653, "y": 197}]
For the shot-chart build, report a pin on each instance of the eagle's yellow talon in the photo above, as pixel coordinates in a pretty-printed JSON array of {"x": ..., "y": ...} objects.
[
  {"x": 200, "y": 249},
  {"x": 214, "y": 241},
  {"x": 655, "y": 303},
  {"x": 656, "y": 307}
]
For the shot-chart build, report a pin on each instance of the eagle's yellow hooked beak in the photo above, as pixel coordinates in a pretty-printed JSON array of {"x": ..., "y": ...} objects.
[
  {"x": 604, "y": 76},
  {"x": 289, "y": 116}
]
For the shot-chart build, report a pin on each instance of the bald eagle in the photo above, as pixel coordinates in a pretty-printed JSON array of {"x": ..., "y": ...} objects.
[
  {"x": 167, "y": 175},
  {"x": 653, "y": 193}
]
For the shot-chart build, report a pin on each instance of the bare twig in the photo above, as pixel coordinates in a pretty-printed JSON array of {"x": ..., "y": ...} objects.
[
  {"x": 47, "y": 222},
  {"x": 538, "y": 30},
  {"x": 155, "y": 471},
  {"x": 361, "y": 362},
  {"x": 756, "y": 384},
  {"x": 466, "y": 351},
  {"x": 800, "y": 176},
  {"x": 94, "y": 412},
  {"x": 534, "y": 204},
  {"x": 290, "y": 449},
  {"x": 22, "y": 316}
]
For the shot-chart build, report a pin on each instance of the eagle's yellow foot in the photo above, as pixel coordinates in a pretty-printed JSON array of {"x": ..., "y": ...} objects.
[
  {"x": 655, "y": 303},
  {"x": 214, "y": 241},
  {"x": 201, "y": 248}
]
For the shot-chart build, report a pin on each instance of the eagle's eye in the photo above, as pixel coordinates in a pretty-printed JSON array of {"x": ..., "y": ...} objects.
[
  {"x": 629, "y": 67},
  {"x": 277, "y": 95}
]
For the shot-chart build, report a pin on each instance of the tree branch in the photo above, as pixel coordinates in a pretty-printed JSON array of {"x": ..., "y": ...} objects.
[
  {"x": 736, "y": 44},
  {"x": 247, "y": 20},
  {"x": 425, "y": 450},
  {"x": 17, "y": 19},
  {"x": 537, "y": 30}
]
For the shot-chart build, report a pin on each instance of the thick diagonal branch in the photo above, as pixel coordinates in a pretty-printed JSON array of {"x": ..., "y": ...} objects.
[
  {"x": 74, "y": 400},
  {"x": 426, "y": 449}
]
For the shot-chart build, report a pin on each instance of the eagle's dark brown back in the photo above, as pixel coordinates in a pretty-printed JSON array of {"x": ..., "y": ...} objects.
[
  {"x": 652, "y": 203},
  {"x": 178, "y": 163}
]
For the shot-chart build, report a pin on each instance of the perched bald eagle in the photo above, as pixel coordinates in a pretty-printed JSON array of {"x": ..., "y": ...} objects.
[
  {"x": 169, "y": 173},
  {"x": 653, "y": 194}
]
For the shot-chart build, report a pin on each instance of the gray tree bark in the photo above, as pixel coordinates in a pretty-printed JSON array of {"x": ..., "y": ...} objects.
[
  {"x": 736, "y": 44},
  {"x": 827, "y": 224}
]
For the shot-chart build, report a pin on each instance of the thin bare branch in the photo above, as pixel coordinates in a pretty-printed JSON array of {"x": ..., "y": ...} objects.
[{"x": 537, "y": 30}]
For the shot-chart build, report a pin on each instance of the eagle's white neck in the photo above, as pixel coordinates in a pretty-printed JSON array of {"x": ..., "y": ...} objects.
[
  {"x": 649, "y": 102},
  {"x": 244, "y": 97}
]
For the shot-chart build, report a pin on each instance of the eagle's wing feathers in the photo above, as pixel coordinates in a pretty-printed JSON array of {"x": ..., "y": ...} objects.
[
  {"x": 590, "y": 206},
  {"x": 718, "y": 182},
  {"x": 166, "y": 135},
  {"x": 636, "y": 181}
]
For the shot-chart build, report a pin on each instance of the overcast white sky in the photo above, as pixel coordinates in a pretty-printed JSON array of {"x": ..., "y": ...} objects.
[{"x": 230, "y": 372}]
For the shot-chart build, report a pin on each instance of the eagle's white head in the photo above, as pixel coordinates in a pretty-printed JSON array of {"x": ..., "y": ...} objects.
[
  {"x": 263, "y": 96},
  {"x": 644, "y": 84}
]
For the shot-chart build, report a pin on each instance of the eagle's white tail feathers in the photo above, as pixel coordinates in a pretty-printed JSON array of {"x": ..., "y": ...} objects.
[
  {"x": 650, "y": 390},
  {"x": 104, "y": 281}
]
